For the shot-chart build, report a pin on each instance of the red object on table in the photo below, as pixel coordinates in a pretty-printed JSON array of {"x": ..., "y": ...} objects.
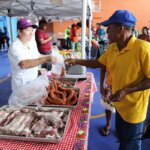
[{"x": 76, "y": 135}]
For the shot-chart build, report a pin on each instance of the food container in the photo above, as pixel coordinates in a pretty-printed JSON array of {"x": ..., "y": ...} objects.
[
  {"x": 26, "y": 130},
  {"x": 67, "y": 105}
]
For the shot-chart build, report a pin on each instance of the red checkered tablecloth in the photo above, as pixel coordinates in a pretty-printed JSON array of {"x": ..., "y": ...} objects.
[{"x": 76, "y": 134}]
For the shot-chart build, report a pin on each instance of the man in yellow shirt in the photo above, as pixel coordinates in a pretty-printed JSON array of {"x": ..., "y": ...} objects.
[{"x": 128, "y": 61}]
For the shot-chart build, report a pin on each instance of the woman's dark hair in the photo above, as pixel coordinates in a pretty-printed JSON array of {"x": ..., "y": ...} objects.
[
  {"x": 73, "y": 25},
  {"x": 145, "y": 28},
  {"x": 42, "y": 23},
  {"x": 79, "y": 24}
]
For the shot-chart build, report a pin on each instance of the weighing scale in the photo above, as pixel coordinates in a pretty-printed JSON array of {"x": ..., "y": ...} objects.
[{"x": 76, "y": 71}]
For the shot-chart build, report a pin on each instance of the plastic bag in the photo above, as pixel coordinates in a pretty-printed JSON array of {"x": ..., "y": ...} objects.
[
  {"x": 58, "y": 69},
  {"x": 107, "y": 105},
  {"x": 33, "y": 92}
]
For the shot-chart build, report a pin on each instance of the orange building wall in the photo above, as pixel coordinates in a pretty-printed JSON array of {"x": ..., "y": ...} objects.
[
  {"x": 140, "y": 8},
  {"x": 58, "y": 26}
]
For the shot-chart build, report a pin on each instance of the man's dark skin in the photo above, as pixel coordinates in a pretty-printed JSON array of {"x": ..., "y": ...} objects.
[{"x": 121, "y": 35}]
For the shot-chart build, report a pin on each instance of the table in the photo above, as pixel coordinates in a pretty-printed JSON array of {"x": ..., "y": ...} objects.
[{"x": 76, "y": 135}]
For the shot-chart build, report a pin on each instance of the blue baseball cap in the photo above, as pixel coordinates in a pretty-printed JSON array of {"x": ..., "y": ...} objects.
[{"x": 123, "y": 17}]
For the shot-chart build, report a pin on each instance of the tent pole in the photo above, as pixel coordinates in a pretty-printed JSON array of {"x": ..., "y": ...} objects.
[
  {"x": 90, "y": 34},
  {"x": 84, "y": 12},
  {"x": 10, "y": 25}
]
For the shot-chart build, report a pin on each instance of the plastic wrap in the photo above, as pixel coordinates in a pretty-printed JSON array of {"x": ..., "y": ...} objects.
[{"x": 32, "y": 92}]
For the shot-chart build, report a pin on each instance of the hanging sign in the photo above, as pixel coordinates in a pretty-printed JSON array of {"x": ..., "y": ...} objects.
[{"x": 57, "y": 2}]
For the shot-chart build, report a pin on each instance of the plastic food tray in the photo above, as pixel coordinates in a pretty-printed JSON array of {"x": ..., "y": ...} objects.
[{"x": 37, "y": 139}]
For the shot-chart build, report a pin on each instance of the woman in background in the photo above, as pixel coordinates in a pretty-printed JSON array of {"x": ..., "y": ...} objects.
[
  {"x": 145, "y": 35},
  {"x": 43, "y": 41}
]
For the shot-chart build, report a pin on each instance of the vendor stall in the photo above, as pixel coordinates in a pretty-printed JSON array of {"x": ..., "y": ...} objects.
[
  {"x": 52, "y": 9},
  {"x": 76, "y": 135}
]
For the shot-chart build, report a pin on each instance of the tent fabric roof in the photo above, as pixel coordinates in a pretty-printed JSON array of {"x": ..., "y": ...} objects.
[
  {"x": 52, "y": 8},
  {"x": 60, "y": 9}
]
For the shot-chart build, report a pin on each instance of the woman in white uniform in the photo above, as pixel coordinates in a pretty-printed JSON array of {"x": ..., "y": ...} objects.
[{"x": 24, "y": 56}]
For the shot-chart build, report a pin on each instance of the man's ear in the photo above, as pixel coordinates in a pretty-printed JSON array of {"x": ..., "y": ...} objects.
[{"x": 121, "y": 28}]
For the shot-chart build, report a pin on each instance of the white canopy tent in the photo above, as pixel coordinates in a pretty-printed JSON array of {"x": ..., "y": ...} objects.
[{"x": 53, "y": 9}]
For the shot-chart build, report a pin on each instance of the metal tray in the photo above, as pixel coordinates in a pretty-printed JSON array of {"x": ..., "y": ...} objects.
[
  {"x": 67, "y": 106},
  {"x": 73, "y": 81},
  {"x": 38, "y": 139}
]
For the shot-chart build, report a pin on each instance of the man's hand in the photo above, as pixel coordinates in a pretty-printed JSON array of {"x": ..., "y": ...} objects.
[
  {"x": 51, "y": 59},
  {"x": 70, "y": 61},
  {"x": 118, "y": 96},
  {"x": 105, "y": 93}
]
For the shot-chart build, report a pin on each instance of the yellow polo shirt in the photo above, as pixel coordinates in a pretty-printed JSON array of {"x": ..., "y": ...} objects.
[
  {"x": 127, "y": 68},
  {"x": 108, "y": 78}
]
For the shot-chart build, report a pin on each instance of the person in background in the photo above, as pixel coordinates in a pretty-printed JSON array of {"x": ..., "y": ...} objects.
[
  {"x": 2, "y": 47},
  {"x": 136, "y": 32},
  {"x": 43, "y": 41},
  {"x": 128, "y": 61},
  {"x": 24, "y": 56},
  {"x": 96, "y": 32},
  {"x": 100, "y": 34},
  {"x": 93, "y": 29},
  {"x": 67, "y": 37},
  {"x": 6, "y": 36},
  {"x": 145, "y": 35},
  {"x": 74, "y": 33},
  {"x": 71, "y": 31},
  {"x": 149, "y": 31}
]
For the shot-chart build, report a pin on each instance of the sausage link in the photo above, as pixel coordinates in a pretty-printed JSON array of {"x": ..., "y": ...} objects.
[
  {"x": 46, "y": 101},
  {"x": 55, "y": 98},
  {"x": 53, "y": 101},
  {"x": 74, "y": 100},
  {"x": 71, "y": 93}
]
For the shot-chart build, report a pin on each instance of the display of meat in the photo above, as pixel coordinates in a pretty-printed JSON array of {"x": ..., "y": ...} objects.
[
  {"x": 4, "y": 113},
  {"x": 59, "y": 95},
  {"x": 34, "y": 122}
]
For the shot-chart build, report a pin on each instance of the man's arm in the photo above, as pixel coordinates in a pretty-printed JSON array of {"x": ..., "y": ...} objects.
[
  {"x": 103, "y": 90},
  {"x": 102, "y": 78},
  {"x": 142, "y": 85},
  {"x": 88, "y": 63}
]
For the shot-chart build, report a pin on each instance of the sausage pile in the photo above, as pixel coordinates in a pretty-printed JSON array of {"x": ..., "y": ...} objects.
[{"x": 59, "y": 95}]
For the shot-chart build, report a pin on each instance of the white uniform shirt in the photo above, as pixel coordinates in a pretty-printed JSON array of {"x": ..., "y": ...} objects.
[{"x": 17, "y": 53}]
